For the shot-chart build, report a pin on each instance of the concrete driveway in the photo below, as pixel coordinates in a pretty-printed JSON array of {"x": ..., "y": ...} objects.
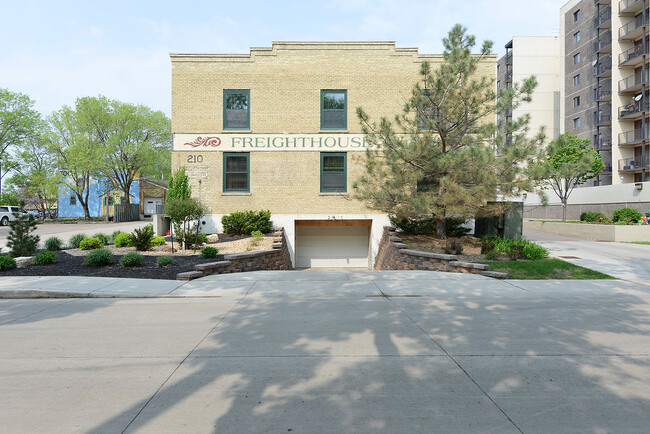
[
  {"x": 327, "y": 351},
  {"x": 622, "y": 260},
  {"x": 66, "y": 230}
]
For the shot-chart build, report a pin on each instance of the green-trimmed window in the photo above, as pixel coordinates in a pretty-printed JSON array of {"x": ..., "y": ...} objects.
[
  {"x": 333, "y": 109},
  {"x": 236, "y": 109},
  {"x": 236, "y": 172},
  {"x": 333, "y": 172}
]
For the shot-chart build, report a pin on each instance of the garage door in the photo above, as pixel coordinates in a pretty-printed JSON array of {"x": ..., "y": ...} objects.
[{"x": 332, "y": 246}]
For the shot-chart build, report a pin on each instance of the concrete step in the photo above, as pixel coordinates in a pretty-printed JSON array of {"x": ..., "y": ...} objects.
[
  {"x": 209, "y": 266},
  {"x": 189, "y": 275}
]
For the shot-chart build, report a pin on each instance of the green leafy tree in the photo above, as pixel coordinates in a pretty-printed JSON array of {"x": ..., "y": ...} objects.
[
  {"x": 566, "y": 163},
  {"x": 10, "y": 198},
  {"x": 182, "y": 212},
  {"x": 19, "y": 239},
  {"x": 179, "y": 185},
  {"x": 18, "y": 121},
  {"x": 76, "y": 151},
  {"x": 442, "y": 155},
  {"x": 131, "y": 138}
]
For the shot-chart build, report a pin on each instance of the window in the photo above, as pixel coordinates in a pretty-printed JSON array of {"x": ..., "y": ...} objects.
[
  {"x": 498, "y": 68},
  {"x": 73, "y": 200},
  {"x": 576, "y": 58},
  {"x": 498, "y": 84},
  {"x": 576, "y": 123},
  {"x": 236, "y": 109},
  {"x": 236, "y": 174},
  {"x": 576, "y": 15},
  {"x": 333, "y": 109},
  {"x": 576, "y": 101},
  {"x": 333, "y": 172},
  {"x": 576, "y": 37},
  {"x": 576, "y": 80}
]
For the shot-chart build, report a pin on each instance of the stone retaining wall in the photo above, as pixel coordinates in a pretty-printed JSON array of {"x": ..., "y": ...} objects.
[
  {"x": 393, "y": 254},
  {"x": 277, "y": 258}
]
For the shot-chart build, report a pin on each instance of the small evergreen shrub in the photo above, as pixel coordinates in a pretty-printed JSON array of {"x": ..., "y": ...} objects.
[
  {"x": 91, "y": 244},
  {"x": 131, "y": 259},
  {"x": 164, "y": 260},
  {"x": 592, "y": 217},
  {"x": 191, "y": 238},
  {"x": 245, "y": 222},
  {"x": 454, "y": 227},
  {"x": 45, "y": 258},
  {"x": 209, "y": 252},
  {"x": 99, "y": 257},
  {"x": 158, "y": 241},
  {"x": 7, "y": 263},
  {"x": 256, "y": 239},
  {"x": 414, "y": 226},
  {"x": 627, "y": 215},
  {"x": 142, "y": 238},
  {"x": 75, "y": 240},
  {"x": 123, "y": 240},
  {"x": 19, "y": 239},
  {"x": 53, "y": 243},
  {"x": 105, "y": 239}
]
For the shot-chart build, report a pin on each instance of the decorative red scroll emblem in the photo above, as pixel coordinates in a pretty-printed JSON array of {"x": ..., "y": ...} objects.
[{"x": 204, "y": 141}]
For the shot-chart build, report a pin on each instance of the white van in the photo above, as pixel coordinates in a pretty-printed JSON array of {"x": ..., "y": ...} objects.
[{"x": 7, "y": 214}]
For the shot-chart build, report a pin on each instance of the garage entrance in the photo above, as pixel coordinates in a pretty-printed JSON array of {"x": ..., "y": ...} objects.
[{"x": 332, "y": 243}]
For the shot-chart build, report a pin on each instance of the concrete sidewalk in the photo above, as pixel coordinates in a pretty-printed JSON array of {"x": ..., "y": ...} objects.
[{"x": 319, "y": 351}]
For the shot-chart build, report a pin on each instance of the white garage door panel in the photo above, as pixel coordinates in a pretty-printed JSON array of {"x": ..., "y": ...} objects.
[{"x": 330, "y": 246}]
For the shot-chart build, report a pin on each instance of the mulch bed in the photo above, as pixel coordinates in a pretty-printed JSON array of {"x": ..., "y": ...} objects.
[{"x": 69, "y": 265}]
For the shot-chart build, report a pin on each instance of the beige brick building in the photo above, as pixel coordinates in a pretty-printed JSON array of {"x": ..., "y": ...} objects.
[{"x": 277, "y": 129}]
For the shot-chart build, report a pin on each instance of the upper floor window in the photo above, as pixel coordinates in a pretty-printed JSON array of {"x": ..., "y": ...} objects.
[
  {"x": 236, "y": 109},
  {"x": 576, "y": 80},
  {"x": 333, "y": 109},
  {"x": 73, "y": 200},
  {"x": 333, "y": 172},
  {"x": 576, "y": 123},
  {"x": 576, "y": 101},
  {"x": 576, "y": 37},
  {"x": 576, "y": 15},
  {"x": 576, "y": 58},
  {"x": 236, "y": 172}
]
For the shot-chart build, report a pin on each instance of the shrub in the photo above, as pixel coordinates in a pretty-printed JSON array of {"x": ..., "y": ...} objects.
[
  {"x": 492, "y": 255},
  {"x": 7, "y": 263},
  {"x": 123, "y": 240},
  {"x": 164, "y": 260},
  {"x": 414, "y": 226},
  {"x": 142, "y": 238},
  {"x": 209, "y": 252},
  {"x": 487, "y": 246},
  {"x": 158, "y": 241},
  {"x": 131, "y": 259},
  {"x": 628, "y": 215},
  {"x": 592, "y": 216},
  {"x": 45, "y": 258},
  {"x": 105, "y": 239},
  {"x": 256, "y": 239},
  {"x": 91, "y": 244},
  {"x": 75, "y": 240},
  {"x": 245, "y": 222},
  {"x": 515, "y": 252},
  {"x": 453, "y": 246},
  {"x": 534, "y": 251},
  {"x": 454, "y": 228},
  {"x": 114, "y": 235},
  {"x": 53, "y": 243},
  {"x": 19, "y": 239},
  {"x": 99, "y": 257},
  {"x": 192, "y": 238}
]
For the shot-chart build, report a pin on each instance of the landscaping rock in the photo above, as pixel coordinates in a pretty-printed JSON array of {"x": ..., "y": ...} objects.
[{"x": 213, "y": 238}]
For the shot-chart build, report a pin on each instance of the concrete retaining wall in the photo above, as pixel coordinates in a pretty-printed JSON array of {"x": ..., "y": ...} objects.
[{"x": 591, "y": 231}]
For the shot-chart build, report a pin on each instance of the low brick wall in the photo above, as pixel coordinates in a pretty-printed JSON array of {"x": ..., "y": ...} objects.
[
  {"x": 278, "y": 258},
  {"x": 393, "y": 254}
]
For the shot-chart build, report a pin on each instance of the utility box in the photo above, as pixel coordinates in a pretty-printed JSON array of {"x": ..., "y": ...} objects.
[{"x": 507, "y": 225}]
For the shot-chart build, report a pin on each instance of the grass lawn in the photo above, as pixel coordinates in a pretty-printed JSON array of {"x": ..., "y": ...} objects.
[
  {"x": 645, "y": 243},
  {"x": 545, "y": 269}
]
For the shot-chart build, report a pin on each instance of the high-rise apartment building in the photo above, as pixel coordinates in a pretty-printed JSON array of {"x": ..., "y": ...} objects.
[{"x": 605, "y": 87}]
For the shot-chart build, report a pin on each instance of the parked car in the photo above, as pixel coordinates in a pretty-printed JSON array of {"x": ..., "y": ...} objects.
[
  {"x": 36, "y": 213},
  {"x": 7, "y": 214}
]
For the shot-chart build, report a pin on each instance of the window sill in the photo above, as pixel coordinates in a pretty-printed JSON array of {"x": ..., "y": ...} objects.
[
  {"x": 334, "y": 193},
  {"x": 334, "y": 130},
  {"x": 236, "y": 193},
  {"x": 236, "y": 130}
]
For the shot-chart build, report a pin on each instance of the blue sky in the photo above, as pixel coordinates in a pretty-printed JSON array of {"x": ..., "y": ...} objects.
[{"x": 57, "y": 51}]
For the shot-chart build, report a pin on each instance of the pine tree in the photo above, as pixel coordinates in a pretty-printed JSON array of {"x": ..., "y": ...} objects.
[
  {"x": 444, "y": 155},
  {"x": 19, "y": 239}
]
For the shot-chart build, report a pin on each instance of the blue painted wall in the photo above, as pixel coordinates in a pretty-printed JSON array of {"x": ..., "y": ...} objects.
[{"x": 94, "y": 199}]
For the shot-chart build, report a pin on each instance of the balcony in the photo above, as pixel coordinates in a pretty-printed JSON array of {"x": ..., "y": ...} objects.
[
  {"x": 629, "y": 6},
  {"x": 633, "y": 164},
  {"x": 634, "y": 29},
  {"x": 509, "y": 58},
  {"x": 603, "y": 144},
  {"x": 604, "y": 18},
  {"x": 633, "y": 138},
  {"x": 607, "y": 168},
  {"x": 631, "y": 57},
  {"x": 603, "y": 2},
  {"x": 603, "y": 117},
  {"x": 634, "y": 110},
  {"x": 633, "y": 83},
  {"x": 604, "y": 42},
  {"x": 604, "y": 92},
  {"x": 603, "y": 68}
]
